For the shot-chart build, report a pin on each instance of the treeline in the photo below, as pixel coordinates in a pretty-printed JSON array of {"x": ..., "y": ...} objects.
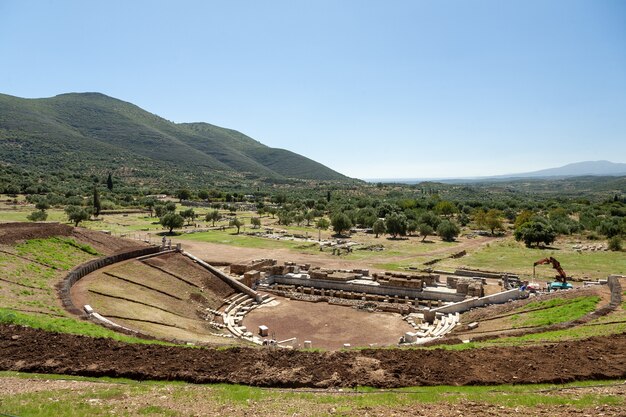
[{"x": 397, "y": 210}]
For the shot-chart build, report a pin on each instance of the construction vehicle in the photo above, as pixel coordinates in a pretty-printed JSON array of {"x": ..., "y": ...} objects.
[{"x": 561, "y": 278}]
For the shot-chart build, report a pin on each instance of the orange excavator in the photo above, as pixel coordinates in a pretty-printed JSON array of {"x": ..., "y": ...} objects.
[{"x": 561, "y": 278}]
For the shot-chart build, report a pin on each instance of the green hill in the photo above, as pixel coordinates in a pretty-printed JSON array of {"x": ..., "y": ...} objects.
[{"x": 94, "y": 133}]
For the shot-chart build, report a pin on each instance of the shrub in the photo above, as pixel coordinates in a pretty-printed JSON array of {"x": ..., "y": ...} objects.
[{"x": 615, "y": 243}]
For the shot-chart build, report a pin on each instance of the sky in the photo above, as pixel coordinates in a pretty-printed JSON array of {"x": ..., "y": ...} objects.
[{"x": 372, "y": 89}]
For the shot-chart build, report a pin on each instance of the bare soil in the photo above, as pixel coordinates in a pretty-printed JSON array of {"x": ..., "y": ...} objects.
[
  {"x": 594, "y": 358},
  {"x": 326, "y": 326},
  {"x": 13, "y": 232}
]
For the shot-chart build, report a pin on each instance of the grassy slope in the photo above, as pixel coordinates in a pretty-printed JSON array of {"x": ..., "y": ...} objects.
[
  {"x": 99, "y": 130},
  {"x": 28, "y": 295}
]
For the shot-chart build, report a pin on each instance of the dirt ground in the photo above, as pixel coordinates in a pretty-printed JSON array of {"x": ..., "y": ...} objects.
[
  {"x": 13, "y": 232},
  {"x": 588, "y": 359},
  {"x": 326, "y": 326}
]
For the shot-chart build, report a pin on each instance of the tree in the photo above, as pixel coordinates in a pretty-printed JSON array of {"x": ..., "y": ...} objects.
[
  {"x": 37, "y": 216},
  {"x": 172, "y": 221},
  {"x": 309, "y": 216},
  {"x": 430, "y": 219},
  {"x": 537, "y": 230},
  {"x": 183, "y": 194},
  {"x": 411, "y": 227},
  {"x": 493, "y": 220},
  {"x": 203, "y": 195},
  {"x": 445, "y": 208},
  {"x": 396, "y": 224},
  {"x": 255, "y": 222},
  {"x": 149, "y": 203},
  {"x": 340, "y": 222},
  {"x": 522, "y": 218},
  {"x": 322, "y": 223},
  {"x": 97, "y": 206},
  {"x": 76, "y": 214},
  {"x": 236, "y": 222},
  {"x": 110, "y": 182},
  {"x": 285, "y": 217},
  {"x": 425, "y": 230},
  {"x": 188, "y": 215},
  {"x": 480, "y": 217},
  {"x": 42, "y": 205},
  {"x": 170, "y": 206},
  {"x": 213, "y": 216},
  {"x": 379, "y": 227},
  {"x": 159, "y": 210},
  {"x": 448, "y": 230},
  {"x": 610, "y": 227}
]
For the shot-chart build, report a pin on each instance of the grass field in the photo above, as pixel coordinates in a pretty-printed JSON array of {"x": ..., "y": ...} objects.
[
  {"x": 106, "y": 396},
  {"x": 508, "y": 255}
]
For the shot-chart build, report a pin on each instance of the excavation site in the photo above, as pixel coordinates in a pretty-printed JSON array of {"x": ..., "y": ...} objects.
[{"x": 288, "y": 325}]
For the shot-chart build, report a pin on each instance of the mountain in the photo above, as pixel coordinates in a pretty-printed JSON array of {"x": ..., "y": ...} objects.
[
  {"x": 577, "y": 169},
  {"x": 96, "y": 133}
]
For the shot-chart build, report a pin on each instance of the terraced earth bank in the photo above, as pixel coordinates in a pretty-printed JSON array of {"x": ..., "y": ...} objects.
[{"x": 594, "y": 358}]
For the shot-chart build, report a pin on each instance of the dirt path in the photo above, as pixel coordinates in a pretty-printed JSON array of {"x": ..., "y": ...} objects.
[{"x": 595, "y": 358}]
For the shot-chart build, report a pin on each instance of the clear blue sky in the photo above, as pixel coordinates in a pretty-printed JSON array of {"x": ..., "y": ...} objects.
[{"x": 384, "y": 89}]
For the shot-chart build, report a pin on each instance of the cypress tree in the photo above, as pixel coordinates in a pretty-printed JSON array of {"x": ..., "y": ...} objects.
[
  {"x": 110, "y": 182},
  {"x": 96, "y": 202}
]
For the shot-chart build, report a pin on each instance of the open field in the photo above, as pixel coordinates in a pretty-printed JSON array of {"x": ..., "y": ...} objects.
[
  {"x": 511, "y": 256},
  {"x": 38, "y": 395}
]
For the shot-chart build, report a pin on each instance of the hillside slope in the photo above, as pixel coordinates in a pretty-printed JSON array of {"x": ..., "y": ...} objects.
[{"x": 89, "y": 130}]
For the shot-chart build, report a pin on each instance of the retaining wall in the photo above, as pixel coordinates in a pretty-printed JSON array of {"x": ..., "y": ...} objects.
[
  {"x": 364, "y": 288},
  {"x": 499, "y": 298},
  {"x": 482, "y": 274},
  {"x": 230, "y": 281},
  {"x": 80, "y": 271}
]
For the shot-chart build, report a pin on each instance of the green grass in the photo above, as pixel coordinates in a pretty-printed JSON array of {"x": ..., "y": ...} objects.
[
  {"x": 66, "y": 325},
  {"x": 512, "y": 256},
  {"x": 227, "y": 237},
  {"x": 56, "y": 252},
  {"x": 557, "y": 310}
]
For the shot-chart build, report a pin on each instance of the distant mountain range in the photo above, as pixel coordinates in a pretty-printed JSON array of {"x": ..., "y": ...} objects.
[
  {"x": 577, "y": 169},
  {"x": 97, "y": 133}
]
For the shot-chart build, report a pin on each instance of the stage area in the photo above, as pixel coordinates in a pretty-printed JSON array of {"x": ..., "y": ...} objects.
[{"x": 326, "y": 326}]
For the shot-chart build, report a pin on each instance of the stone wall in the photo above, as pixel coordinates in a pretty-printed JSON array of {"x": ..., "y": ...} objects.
[
  {"x": 364, "y": 288},
  {"x": 499, "y": 298}
]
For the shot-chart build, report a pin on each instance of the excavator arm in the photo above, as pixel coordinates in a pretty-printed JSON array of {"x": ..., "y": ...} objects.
[{"x": 561, "y": 277}]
